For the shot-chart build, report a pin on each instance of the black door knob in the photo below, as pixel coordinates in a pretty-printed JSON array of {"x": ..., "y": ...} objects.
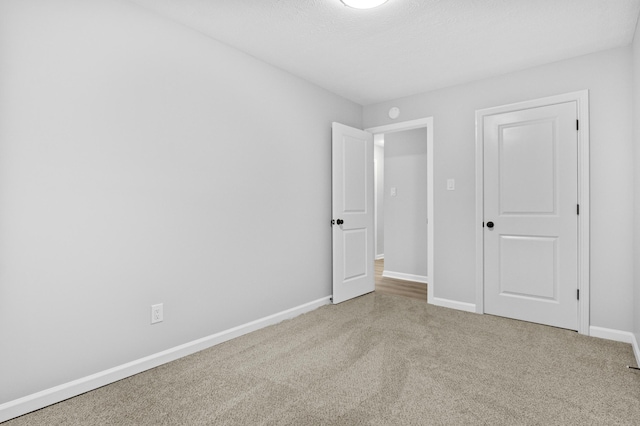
[
  {"x": 489, "y": 225},
  {"x": 339, "y": 221}
]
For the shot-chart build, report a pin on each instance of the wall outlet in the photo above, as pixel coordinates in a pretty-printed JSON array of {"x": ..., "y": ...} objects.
[{"x": 156, "y": 313}]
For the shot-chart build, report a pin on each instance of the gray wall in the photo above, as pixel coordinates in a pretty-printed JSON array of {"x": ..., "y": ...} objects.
[
  {"x": 636, "y": 120},
  {"x": 405, "y": 220},
  {"x": 378, "y": 154},
  {"x": 608, "y": 76},
  {"x": 142, "y": 162}
]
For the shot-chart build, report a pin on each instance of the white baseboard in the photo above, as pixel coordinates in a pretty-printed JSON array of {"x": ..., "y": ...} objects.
[
  {"x": 453, "y": 304},
  {"x": 407, "y": 277},
  {"x": 41, "y": 399},
  {"x": 636, "y": 349},
  {"x": 618, "y": 336},
  {"x": 379, "y": 256},
  {"x": 611, "y": 334}
]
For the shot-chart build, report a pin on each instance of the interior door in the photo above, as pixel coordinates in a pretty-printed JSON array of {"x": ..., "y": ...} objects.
[
  {"x": 353, "y": 212},
  {"x": 530, "y": 214}
]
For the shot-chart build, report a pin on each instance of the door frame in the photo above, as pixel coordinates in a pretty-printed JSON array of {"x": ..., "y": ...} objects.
[
  {"x": 410, "y": 125},
  {"x": 581, "y": 98},
  {"x": 375, "y": 199}
]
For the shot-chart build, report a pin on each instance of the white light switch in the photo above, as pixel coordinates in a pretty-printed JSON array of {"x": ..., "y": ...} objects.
[
  {"x": 393, "y": 191},
  {"x": 451, "y": 184}
]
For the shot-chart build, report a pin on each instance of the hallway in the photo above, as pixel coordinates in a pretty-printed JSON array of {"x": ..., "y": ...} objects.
[{"x": 398, "y": 287}]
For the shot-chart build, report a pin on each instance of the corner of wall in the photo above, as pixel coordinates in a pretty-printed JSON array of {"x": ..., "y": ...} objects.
[{"x": 635, "y": 49}]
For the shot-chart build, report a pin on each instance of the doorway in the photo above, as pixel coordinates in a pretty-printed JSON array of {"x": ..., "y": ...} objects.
[{"x": 390, "y": 282}]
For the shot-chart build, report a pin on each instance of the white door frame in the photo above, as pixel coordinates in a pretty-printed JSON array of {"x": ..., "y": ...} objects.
[
  {"x": 375, "y": 199},
  {"x": 409, "y": 125},
  {"x": 581, "y": 98}
]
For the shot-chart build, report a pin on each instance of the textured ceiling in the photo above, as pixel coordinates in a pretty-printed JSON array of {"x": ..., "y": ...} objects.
[{"x": 407, "y": 46}]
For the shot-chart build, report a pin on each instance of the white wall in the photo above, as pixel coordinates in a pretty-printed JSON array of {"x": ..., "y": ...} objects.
[
  {"x": 378, "y": 155},
  {"x": 405, "y": 220},
  {"x": 636, "y": 120},
  {"x": 140, "y": 163},
  {"x": 608, "y": 77}
]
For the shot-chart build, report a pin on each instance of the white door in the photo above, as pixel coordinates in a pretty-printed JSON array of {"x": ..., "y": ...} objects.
[
  {"x": 353, "y": 212},
  {"x": 530, "y": 215}
]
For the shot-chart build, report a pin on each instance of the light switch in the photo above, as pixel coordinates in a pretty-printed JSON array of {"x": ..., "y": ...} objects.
[
  {"x": 393, "y": 191},
  {"x": 451, "y": 184}
]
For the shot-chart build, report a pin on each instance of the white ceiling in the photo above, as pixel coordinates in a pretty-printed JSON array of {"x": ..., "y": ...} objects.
[{"x": 407, "y": 46}]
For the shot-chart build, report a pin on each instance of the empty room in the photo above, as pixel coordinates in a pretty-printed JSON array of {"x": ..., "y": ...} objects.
[{"x": 377, "y": 212}]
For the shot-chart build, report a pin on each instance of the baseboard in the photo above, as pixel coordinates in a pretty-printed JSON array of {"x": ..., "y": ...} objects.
[
  {"x": 379, "y": 256},
  {"x": 453, "y": 304},
  {"x": 59, "y": 393},
  {"x": 407, "y": 277},
  {"x": 636, "y": 349},
  {"x": 618, "y": 336},
  {"x": 611, "y": 334}
]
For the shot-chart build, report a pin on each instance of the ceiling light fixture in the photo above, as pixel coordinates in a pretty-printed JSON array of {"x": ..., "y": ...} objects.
[{"x": 363, "y": 4}]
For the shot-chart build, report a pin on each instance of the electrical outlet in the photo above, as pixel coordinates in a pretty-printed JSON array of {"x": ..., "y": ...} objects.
[{"x": 156, "y": 313}]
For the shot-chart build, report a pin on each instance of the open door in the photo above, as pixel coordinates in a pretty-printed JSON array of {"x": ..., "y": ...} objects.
[{"x": 353, "y": 212}]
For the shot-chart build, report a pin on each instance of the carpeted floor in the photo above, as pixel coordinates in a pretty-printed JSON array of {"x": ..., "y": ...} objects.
[{"x": 377, "y": 360}]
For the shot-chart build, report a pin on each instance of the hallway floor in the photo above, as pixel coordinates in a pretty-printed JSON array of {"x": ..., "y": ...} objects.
[{"x": 398, "y": 287}]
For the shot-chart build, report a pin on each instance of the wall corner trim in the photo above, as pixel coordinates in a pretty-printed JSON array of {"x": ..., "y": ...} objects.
[
  {"x": 636, "y": 348},
  {"x": 618, "y": 336},
  {"x": 35, "y": 401},
  {"x": 453, "y": 304}
]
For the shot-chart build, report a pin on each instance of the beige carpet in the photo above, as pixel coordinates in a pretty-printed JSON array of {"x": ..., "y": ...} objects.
[{"x": 377, "y": 360}]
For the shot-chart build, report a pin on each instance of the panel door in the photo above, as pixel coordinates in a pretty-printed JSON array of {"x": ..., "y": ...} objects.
[
  {"x": 530, "y": 214},
  {"x": 353, "y": 212}
]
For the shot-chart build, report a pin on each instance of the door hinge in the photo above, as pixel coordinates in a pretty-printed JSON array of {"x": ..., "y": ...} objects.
[
  {"x": 578, "y": 209},
  {"x": 578, "y": 294},
  {"x": 577, "y": 124}
]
